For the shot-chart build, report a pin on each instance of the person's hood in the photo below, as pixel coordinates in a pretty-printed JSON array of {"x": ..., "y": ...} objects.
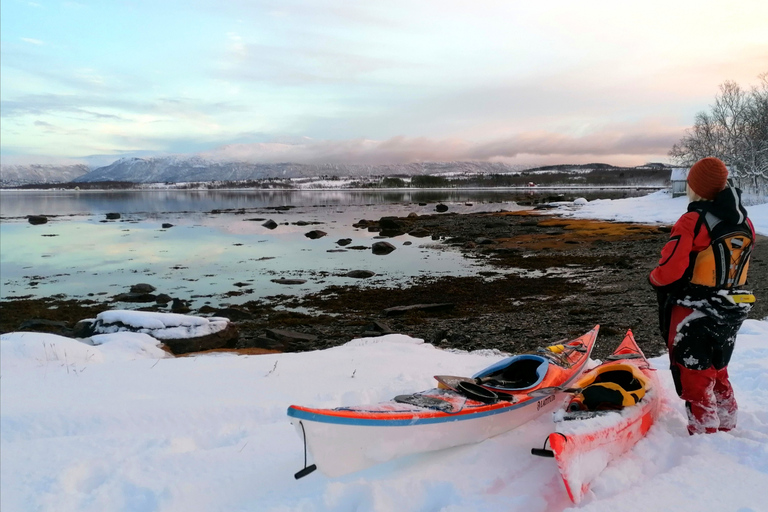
[{"x": 726, "y": 205}]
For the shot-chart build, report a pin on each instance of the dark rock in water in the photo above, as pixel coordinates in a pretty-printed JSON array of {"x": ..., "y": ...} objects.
[
  {"x": 441, "y": 208},
  {"x": 163, "y": 298},
  {"x": 289, "y": 281},
  {"x": 432, "y": 308},
  {"x": 393, "y": 224},
  {"x": 315, "y": 234},
  {"x": 363, "y": 223},
  {"x": 226, "y": 338},
  {"x": 113, "y": 216},
  {"x": 37, "y": 219},
  {"x": 358, "y": 247},
  {"x": 419, "y": 232},
  {"x": 344, "y": 241},
  {"x": 142, "y": 288},
  {"x": 336, "y": 250},
  {"x": 270, "y": 224},
  {"x": 360, "y": 274},
  {"x": 166, "y": 225},
  {"x": 382, "y": 248},
  {"x": 233, "y": 314},
  {"x": 135, "y": 297},
  {"x": 408, "y": 242},
  {"x": 180, "y": 306}
]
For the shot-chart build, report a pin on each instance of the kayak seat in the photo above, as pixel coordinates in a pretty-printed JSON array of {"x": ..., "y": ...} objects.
[{"x": 516, "y": 373}]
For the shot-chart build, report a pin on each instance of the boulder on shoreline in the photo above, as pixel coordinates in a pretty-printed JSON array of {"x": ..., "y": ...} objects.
[
  {"x": 37, "y": 219},
  {"x": 180, "y": 333},
  {"x": 382, "y": 248}
]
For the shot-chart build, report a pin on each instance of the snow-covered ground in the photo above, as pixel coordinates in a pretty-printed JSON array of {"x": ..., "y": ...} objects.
[
  {"x": 120, "y": 426},
  {"x": 658, "y": 207}
]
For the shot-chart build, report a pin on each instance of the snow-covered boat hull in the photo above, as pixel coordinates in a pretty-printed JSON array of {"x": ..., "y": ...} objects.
[
  {"x": 585, "y": 443},
  {"x": 348, "y": 439}
]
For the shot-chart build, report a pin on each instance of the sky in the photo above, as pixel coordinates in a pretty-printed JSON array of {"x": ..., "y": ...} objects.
[{"x": 337, "y": 81}]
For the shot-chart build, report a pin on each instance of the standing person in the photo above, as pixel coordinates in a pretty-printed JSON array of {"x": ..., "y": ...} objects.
[{"x": 702, "y": 305}]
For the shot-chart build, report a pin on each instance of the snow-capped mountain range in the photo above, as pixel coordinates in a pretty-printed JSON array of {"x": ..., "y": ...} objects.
[
  {"x": 17, "y": 175},
  {"x": 175, "y": 169}
]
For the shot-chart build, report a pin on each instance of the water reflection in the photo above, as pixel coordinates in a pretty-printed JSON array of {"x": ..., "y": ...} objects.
[
  {"x": 225, "y": 258},
  {"x": 19, "y": 203}
]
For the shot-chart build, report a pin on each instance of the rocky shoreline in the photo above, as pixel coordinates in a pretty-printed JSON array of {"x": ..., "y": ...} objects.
[{"x": 557, "y": 278}]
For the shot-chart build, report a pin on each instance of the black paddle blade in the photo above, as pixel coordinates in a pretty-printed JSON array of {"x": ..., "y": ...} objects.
[
  {"x": 304, "y": 472},
  {"x": 477, "y": 392},
  {"x": 454, "y": 383}
]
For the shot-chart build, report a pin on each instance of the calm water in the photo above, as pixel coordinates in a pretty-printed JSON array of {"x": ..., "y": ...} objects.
[{"x": 205, "y": 256}]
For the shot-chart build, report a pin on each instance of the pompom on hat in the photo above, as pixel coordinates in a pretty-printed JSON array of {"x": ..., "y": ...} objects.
[{"x": 708, "y": 177}]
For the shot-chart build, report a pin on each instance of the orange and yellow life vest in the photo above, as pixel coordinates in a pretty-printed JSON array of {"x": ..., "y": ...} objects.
[{"x": 724, "y": 264}]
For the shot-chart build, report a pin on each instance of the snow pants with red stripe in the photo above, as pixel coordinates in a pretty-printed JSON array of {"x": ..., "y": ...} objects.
[{"x": 700, "y": 349}]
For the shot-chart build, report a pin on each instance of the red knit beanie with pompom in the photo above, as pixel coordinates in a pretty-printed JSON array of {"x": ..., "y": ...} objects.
[{"x": 707, "y": 177}]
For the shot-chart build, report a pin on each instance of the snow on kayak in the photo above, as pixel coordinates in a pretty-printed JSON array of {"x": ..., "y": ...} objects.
[{"x": 611, "y": 408}]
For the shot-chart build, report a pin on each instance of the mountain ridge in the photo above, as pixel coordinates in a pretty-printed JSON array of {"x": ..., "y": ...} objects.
[{"x": 175, "y": 169}]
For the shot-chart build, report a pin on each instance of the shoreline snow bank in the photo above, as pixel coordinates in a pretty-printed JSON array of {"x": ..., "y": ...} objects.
[
  {"x": 658, "y": 207},
  {"x": 211, "y": 433}
]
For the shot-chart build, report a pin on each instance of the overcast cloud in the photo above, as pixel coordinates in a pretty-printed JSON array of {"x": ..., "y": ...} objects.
[{"x": 367, "y": 82}]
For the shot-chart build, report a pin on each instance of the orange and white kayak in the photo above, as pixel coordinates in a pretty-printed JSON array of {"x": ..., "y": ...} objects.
[
  {"x": 459, "y": 411},
  {"x": 611, "y": 408}
]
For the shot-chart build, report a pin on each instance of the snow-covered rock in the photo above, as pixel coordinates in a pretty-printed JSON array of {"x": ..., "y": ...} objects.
[{"x": 180, "y": 333}]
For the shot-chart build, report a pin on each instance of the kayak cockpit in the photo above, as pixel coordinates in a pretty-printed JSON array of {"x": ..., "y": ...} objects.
[{"x": 515, "y": 373}]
